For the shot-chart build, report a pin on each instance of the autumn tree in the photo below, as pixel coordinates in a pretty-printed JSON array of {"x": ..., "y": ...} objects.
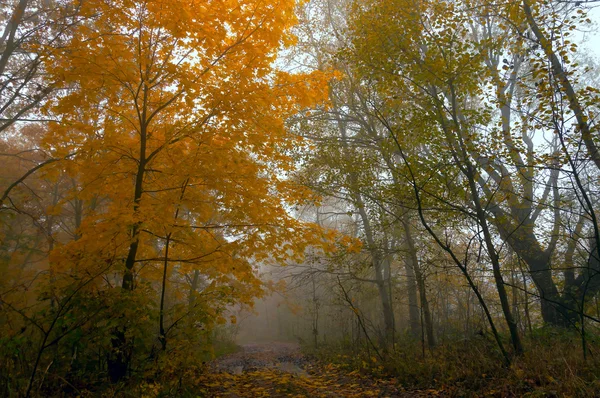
[
  {"x": 171, "y": 116},
  {"x": 453, "y": 77}
]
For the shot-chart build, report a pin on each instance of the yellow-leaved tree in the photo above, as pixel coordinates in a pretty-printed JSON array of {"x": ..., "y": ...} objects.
[{"x": 174, "y": 116}]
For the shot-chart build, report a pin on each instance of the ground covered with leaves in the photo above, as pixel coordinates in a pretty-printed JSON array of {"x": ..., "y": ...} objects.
[
  {"x": 553, "y": 367},
  {"x": 281, "y": 370}
]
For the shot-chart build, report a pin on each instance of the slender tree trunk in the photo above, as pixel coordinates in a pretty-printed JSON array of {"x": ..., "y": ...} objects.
[
  {"x": 515, "y": 300},
  {"x": 411, "y": 290},
  {"x": 414, "y": 259},
  {"x": 162, "y": 334},
  {"x": 468, "y": 314},
  {"x": 194, "y": 288},
  {"x": 162, "y": 337},
  {"x": 377, "y": 261},
  {"x": 526, "y": 304},
  {"x": 121, "y": 349},
  {"x": 315, "y": 320},
  {"x": 388, "y": 315}
]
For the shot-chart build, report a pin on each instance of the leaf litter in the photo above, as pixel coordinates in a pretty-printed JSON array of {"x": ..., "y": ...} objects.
[{"x": 281, "y": 370}]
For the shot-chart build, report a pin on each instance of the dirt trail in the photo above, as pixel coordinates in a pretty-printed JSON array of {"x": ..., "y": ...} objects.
[
  {"x": 280, "y": 370},
  {"x": 258, "y": 356}
]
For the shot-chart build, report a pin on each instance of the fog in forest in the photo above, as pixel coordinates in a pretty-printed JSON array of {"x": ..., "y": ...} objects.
[{"x": 282, "y": 198}]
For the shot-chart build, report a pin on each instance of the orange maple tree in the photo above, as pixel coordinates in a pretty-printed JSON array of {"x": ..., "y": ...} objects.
[{"x": 174, "y": 117}]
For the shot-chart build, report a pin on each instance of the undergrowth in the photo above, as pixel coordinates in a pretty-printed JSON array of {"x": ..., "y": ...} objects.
[{"x": 552, "y": 365}]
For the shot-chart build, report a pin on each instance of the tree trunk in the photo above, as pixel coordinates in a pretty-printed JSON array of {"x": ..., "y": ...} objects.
[
  {"x": 377, "y": 261},
  {"x": 413, "y": 303},
  {"x": 469, "y": 172},
  {"x": 414, "y": 260},
  {"x": 119, "y": 357},
  {"x": 388, "y": 315},
  {"x": 193, "y": 289},
  {"x": 315, "y": 320},
  {"x": 376, "y": 255}
]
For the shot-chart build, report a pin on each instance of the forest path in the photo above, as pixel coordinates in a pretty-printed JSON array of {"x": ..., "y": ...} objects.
[{"x": 280, "y": 370}]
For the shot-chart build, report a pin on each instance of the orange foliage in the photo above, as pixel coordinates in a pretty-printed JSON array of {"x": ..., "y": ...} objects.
[{"x": 177, "y": 116}]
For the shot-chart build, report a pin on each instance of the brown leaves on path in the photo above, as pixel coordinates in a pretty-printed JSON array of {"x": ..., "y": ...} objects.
[{"x": 280, "y": 370}]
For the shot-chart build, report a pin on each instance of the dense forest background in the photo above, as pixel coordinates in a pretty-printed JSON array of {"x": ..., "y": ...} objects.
[{"x": 407, "y": 188}]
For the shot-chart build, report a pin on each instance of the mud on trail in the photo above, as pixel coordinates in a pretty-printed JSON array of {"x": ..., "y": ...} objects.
[{"x": 280, "y": 370}]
